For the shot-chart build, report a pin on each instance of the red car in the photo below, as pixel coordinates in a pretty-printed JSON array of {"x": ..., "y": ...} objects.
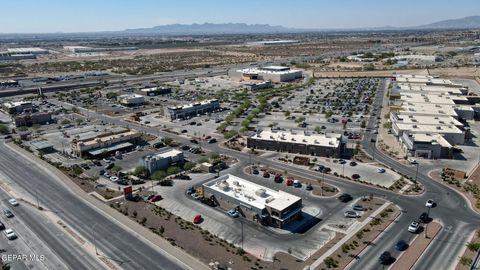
[
  {"x": 197, "y": 219},
  {"x": 156, "y": 198},
  {"x": 289, "y": 182}
]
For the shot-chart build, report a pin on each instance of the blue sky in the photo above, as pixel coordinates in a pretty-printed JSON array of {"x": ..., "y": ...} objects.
[{"x": 32, "y": 16}]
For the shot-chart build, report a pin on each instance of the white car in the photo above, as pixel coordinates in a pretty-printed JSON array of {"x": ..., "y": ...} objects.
[
  {"x": 351, "y": 214},
  {"x": 413, "y": 228},
  {"x": 412, "y": 161},
  {"x": 429, "y": 203},
  {"x": 380, "y": 170},
  {"x": 13, "y": 202},
  {"x": 107, "y": 175},
  {"x": 114, "y": 179},
  {"x": 10, "y": 234}
]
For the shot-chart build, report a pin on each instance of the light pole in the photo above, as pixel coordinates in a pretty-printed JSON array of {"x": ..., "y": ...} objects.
[
  {"x": 416, "y": 174},
  {"x": 94, "y": 239}
]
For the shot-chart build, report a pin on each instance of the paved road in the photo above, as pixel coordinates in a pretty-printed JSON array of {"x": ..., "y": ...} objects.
[
  {"x": 458, "y": 219},
  {"x": 453, "y": 212},
  {"x": 43, "y": 238},
  {"x": 112, "y": 239}
]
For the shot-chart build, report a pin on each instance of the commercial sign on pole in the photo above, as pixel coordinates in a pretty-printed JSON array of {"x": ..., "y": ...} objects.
[{"x": 127, "y": 192}]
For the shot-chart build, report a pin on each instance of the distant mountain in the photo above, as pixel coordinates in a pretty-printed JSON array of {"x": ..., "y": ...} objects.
[
  {"x": 212, "y": 28},
  {"x": 462, "y": 23}
]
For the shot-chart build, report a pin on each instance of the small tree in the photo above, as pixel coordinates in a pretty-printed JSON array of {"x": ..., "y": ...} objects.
[
  {"x": 159, "y": 175},
  {"x": 173, "y": 170},
  {"x": 3, "y": 129},
  {"x": 116, "y": 168},
  {"x": 189, "y": 165},
  {"x": 140, "y": 171}
]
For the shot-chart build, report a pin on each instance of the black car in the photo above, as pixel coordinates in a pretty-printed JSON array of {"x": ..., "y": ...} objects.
[
  {"x": 345, "y": 197},
  {"x": 401, "y": 245},
  {"x": 309, "y": 187},
  {"x": 423, "y": 217},
  {"x": 353, "y": 163},
  {"x": 386, "y": 258},
  {"x": 190, "y": 190},
  {"x": 255, "y": 171},
  {"x": 2, "y": 227}
]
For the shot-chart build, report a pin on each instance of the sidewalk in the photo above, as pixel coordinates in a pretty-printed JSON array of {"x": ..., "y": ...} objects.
[
  {"x": 350, "y": 233},
  {"x": 151, "y": 238}
]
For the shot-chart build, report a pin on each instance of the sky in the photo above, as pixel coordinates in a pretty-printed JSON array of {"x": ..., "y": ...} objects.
[{"x": 42, "y": 16}]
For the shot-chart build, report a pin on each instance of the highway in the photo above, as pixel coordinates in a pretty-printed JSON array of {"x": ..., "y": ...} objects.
[{"x": 114, "y": 241}]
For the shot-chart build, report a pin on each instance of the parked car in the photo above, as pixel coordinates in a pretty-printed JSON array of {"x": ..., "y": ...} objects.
[
  {"x": 255, "y": 171},
  {"x": 212, "y": 140},
  {"x": 13, "y": 202},
  {"x": 358, "y": 207},
  {"x": 309, "y": 187},
  {"x": 351, "y": 214},
  {"x": 297, "y": 184},
  {"x": 107, "y": 175},
  {"x": 7, "y": 213},
  {"x": 401, "y": 245},
  {"x": 190, "y": 190},
  {"x": 414, "y": 226},
  {"x": 156, "y": 198},
  {"x": 114, "y": 178},
  {"x": 278, "y": 178},
  {"x": 353, "y": 163},
  {"x": 266, "y": 174},
  {"x": 341, "y": 161},
  {"x": 345, "y": 197},
  {"x": 430, "y": 203},
  {"x": 289, "y": 182},
  {"x": 233, "y": 213},
  {"x": 197, "y": 219},
  {"x": 2, "y": 226},
  {"x": 355, "y": 176},
  {"x": 380, "y": 170},
  {"x": 10, "y": 234}
]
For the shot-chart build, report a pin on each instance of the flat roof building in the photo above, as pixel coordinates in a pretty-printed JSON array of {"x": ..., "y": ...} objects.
[
  {"x": 192, "y": 109},
  {"x": 328, "y": 145},
  {"x": 16, "y": 107},
  {"x": 268, "y": 73},
  {"x": 131, "y": 99},
  {"x": 161, "y": 161},
  {"x": 155, "y": 91},
  {"x": 28, "y": 50},
  {"x": 276, "y": 208},
  {"x": 105, "y": 143},
  {"x": 426, "y": 145}
]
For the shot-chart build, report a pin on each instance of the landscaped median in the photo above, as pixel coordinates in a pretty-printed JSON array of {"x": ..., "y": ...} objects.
[
  {"x": 468, "y": 257},
  {"x": 358, "y": 238},
  {"x": 419, "y": 244}
]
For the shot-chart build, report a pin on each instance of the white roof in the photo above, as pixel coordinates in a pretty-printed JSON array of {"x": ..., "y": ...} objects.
[
  {"x": 430, "y": 138},
  {"x": 420, "y": 128},
  {"x": 251, "y": 193},
  {"x": 330, "y": 140},
  {"x": 427, "y": 119},
  {"x": 126, "y": 96},
  {"x": 169, "y": 153},
  {"x": 275, "y": 70}
]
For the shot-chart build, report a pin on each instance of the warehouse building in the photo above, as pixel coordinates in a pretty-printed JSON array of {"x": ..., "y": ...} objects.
[
  {"x": 162, "y": 160},
  {"x": 271, "y": 207},
  {"x": 105, "y": 143},
  {"x": 269, "y": 73},
  {"x": 131, "y": 99},
  {"x": 192, "y": 110},
  {"x": 84, "y": 49},
  {"x": 6, "y": 56},
  {"x": 155, "y": 91},
  {"x": 326, "y": 145},
  {"x": 29, "y": 50}
]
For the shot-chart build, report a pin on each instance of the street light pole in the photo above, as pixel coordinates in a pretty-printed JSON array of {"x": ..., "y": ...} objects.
[{"x": 94, "y": 239}]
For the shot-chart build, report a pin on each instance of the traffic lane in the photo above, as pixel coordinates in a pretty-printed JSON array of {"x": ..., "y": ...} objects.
[
  {"x": 70, "y": 252},
  {"x": 114, "y": 240}
]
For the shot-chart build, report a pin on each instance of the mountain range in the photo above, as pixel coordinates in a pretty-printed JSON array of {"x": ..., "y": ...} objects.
[{"x": 470, "y": 22}]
